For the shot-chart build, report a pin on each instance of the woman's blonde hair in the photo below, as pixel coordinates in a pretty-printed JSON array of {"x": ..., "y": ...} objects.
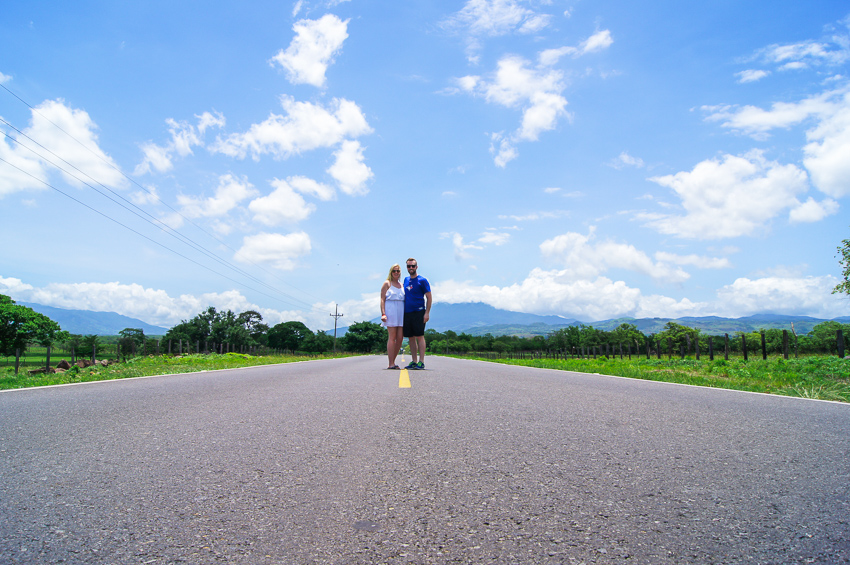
[{"x": 390, "y": 276}]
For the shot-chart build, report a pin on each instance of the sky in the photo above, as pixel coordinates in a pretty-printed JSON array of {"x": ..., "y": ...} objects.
[{"x": 588, "y": 159}]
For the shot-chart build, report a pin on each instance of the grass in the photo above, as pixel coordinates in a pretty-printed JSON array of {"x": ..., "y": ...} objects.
[
  {"x": 819, "y": 377},
  {"x": 145, "y": 367}
]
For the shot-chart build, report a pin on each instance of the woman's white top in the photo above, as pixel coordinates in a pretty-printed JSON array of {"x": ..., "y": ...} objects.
[{"x": 394, "y": 293}]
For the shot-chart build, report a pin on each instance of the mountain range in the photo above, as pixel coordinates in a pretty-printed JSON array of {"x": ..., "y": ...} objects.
[
  {"x": 476, "y": 318},
  {"x": 473, "y": 318},
  {"x": 87, "y": 322}
]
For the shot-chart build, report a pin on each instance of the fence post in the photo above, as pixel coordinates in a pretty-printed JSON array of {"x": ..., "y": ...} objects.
[
  {"x": 93, "y": 352},
  {"x": 710, "y": 348},
  {"x": 696, "y": 347},
  {"x": 47, "y": 364},
  {"x": 785, "y": 344},
  {"x": 744, "y": 345},
  {"x": 726, "y": 348},
  {"x": 647, "y": 349},
  {"x": 763, "y": 347},
  {"x": 669, "y": 348},
  {"x": 17, "y": 360},
  {"x": 839, "y": 336}
]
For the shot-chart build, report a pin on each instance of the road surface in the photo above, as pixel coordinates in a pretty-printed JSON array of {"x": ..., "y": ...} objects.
[{"x": 332, "y": 462}]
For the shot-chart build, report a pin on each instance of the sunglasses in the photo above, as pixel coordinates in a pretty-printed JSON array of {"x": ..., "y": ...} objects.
[
  {"x": 396, "y": 270},
  {"x": 412, "y": 266}
]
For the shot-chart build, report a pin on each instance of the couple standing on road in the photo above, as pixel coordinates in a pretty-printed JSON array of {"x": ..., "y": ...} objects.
[{"x": 405, "y": 308}]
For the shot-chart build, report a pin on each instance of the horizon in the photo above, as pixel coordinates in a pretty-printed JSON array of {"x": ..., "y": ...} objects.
[{"x": 586, "y": 160}]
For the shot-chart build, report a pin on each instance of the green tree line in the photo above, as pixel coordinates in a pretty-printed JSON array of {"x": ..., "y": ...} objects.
[
  {"x": 21, "y": 326},
  {"x": 676, "y": 337}
]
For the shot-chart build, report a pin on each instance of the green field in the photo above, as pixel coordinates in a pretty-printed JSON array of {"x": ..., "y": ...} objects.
[
  {"x": 816, "y": 376},
  {"x": 145, "y": 367}
]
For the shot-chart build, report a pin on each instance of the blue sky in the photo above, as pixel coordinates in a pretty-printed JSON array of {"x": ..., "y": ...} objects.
[{"x": 586, "y": 159}]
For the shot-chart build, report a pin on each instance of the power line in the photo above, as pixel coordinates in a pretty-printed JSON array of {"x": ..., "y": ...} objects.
[
  {"x": 137, "y": 232},
  {"x": 158, "y": 223},
  {"x": 186, "y": 240}
]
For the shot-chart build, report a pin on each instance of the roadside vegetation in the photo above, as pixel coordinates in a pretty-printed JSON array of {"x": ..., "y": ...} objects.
[
  {"x": 150, "y": 366},
  {"x": 819, "y": 377}
]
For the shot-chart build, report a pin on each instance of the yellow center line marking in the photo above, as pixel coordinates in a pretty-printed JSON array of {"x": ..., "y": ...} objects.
[{"x": 403, "y": 379}]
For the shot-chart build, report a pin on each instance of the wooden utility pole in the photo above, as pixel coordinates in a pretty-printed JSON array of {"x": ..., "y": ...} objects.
[{"x": 336, "y": 316}]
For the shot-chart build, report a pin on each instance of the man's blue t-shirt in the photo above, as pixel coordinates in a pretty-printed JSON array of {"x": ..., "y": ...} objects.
[{"x": 414, "y": 293}]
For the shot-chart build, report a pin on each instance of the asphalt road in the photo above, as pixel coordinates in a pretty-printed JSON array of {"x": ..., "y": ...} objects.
[{"x": 332, "y": 462}]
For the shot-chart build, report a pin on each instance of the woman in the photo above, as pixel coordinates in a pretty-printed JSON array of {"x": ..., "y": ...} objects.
[{"x": 392, "y": 312}]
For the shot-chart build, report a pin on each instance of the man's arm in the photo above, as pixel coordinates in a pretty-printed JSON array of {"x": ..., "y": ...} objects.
[{"x": 427, "y": 305}]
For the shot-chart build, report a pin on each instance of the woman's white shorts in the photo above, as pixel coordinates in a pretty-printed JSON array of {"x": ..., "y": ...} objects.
[{"x": 395, "y": 313}]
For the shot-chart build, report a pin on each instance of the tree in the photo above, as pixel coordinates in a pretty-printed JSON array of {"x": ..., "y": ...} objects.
[
  {"x": 682, "y": 336},
  {"x": 252, "y": 320},
  {"x": 320, "y": 342},
  {"x": 20, "y": 326},
  {"x": 288, "y": 335},
  {"x": 365, "y": 337},
  {"x": 132, "y": 340},
  {"x": 844, "y": 261}
]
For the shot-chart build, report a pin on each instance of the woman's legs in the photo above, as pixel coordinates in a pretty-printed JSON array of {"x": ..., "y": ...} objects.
[{"x": 393, "y": 343}]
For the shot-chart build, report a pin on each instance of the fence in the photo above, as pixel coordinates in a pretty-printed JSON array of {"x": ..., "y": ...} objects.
[
  {"x": 35, "y": 356},
  {"x": 660, "y": 349}
]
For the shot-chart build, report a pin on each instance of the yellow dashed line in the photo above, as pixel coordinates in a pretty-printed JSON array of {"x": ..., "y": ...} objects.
[{"x": 403, "y": 379}]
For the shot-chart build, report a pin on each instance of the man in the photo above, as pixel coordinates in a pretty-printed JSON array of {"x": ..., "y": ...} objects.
[{"x": 417, "y": 310}]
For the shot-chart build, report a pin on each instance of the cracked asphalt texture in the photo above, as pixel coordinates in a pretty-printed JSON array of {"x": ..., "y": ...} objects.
[{"x": 330, "y": 462}]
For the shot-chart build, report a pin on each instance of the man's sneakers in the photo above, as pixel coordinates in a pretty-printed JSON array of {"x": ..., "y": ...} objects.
[
  {"x": 420, "y": 365},
  {"x": 415, "y": 366},
  {"x": 411, "y": 365}
]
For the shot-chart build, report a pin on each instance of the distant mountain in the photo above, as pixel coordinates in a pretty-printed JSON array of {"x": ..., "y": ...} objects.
[
  {"x": 470, "y": 317},
  {"x": 86, "y": 322},
  {"x": 479, "y": 319}
]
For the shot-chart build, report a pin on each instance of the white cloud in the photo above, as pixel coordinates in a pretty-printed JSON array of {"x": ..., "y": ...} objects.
[
  {"x": 494, "y": 238},
  {"x": 314, "y": 46},
  {"x": 813, "y": 211},
  {"x": 306, "y": 185},
  {"x": 596, "y": 42},
  {"x": 495, "y": 18},
  {"x": 586, "y": 258},
  {"x": 808, "y": 53},
  {"x": 826, "y": 154},
  {"x": 461, "y": 249},
  {"x": 536, "y": 91},
  {"x": 70, "y": 142},
  {"x": 349, "y": 170},
  {"x": 4, "y": 78},
  {"x": 548, "y": 292},
  {"x": 751, "y": 75},
  {"x": 283, "y": 206},
  {"x": 699, "y": 261},
  {"x": 560, "y": 292},
  {"x": 184, "y": 136},
  {"x": 533, "y": 216},
  {"x": 731, "y": 197},
  {"x": 812, "y": 295},
  {"x": 489, "y": 237},
  {"x": 228, "y": 194},
  {"x": 277, "y": 250},
  {"x": 150, "y": 305},
  {"x": 23, "y": 172},
  {"x": 626, "y": 160},
  {"x": 754, "y": 121},
  {"x": 505, "y": 152},
  {"x": 304, "y": 127}
]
